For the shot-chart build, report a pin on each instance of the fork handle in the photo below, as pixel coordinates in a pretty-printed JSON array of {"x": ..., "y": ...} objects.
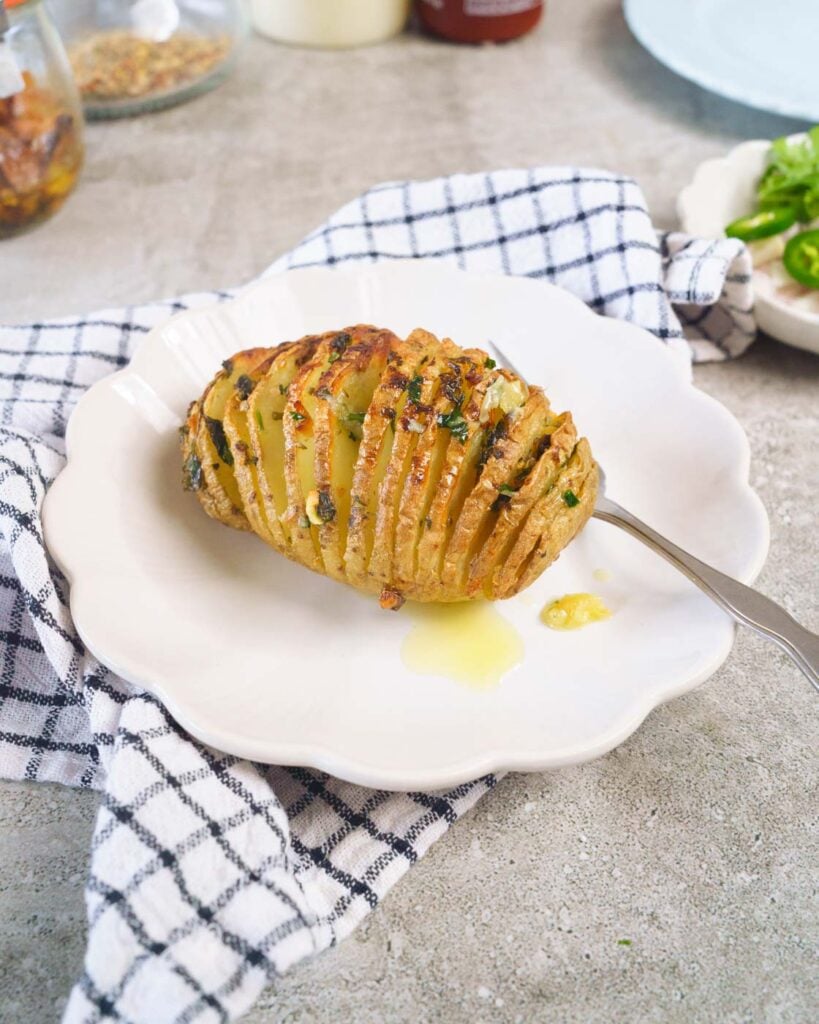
[{"x": 744, "y": 604}]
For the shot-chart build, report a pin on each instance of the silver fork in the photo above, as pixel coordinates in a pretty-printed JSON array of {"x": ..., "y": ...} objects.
[{"x": 744, "y": 604}]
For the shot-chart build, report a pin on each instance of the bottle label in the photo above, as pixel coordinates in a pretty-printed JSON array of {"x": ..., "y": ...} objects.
[{"x": 498, "y": 8}]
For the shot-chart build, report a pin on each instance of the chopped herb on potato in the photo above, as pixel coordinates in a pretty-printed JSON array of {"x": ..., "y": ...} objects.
[{"x": 220, "y": 442}]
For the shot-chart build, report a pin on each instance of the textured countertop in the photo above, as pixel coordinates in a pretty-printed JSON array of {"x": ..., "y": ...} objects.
[{"x": 693, "y": 841}]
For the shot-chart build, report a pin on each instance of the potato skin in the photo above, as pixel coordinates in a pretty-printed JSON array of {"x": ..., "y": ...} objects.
[{"x": 411, "y": 469}]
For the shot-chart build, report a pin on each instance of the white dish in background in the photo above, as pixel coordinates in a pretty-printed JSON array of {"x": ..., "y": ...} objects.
[
  {"x": 265, "y": 659},
  {"x": 758, "y": 52},
  {"x": 722, "y": 190}
]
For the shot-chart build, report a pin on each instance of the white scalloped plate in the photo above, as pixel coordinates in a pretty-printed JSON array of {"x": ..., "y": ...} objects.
[
  {"x": 261, "y": 658},
  {"x": 758, "y": 52}
]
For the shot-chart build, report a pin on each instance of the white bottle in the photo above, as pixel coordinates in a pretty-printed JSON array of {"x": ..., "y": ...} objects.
[{"x": 330, "y": 24}]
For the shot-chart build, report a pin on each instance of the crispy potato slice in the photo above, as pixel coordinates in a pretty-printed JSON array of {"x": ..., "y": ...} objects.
[
  {"x": 246, "y": 467},
  {"x": 488, "y": 571},
  {"x": 557, "y": 520},
  {"x": 265, "y": 411},
  {"x": 447, "y": 431},
  {"x": 375, "y": 450},
  {"x": 344, "y": 394},
  {"x": 507, "y": 458},
  {"x": 212, "y": 444},
  {"x": 298, "y": 428},
  {"x": 410, "y": 424},
  {"x": 457, "y": 479},
  {"x": 193, "y": 476}
]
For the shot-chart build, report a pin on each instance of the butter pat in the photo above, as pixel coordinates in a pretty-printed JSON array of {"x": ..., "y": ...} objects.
[
  {"x": 574, "y": 611},
  {"x": 505, "y": 394}
]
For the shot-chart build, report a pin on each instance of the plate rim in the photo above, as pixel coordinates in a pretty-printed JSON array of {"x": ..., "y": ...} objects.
[
  {"x": 319, "y": 755},
  {"x": 705, "y": 80}
]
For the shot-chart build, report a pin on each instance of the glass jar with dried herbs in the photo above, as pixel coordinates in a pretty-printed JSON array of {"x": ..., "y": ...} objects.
[
  {"x": 130, "y": 56},
  {"x": 41, "y": 148}
]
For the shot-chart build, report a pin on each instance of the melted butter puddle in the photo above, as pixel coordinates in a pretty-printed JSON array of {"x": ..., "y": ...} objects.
[{"x": 469, "y": 642}]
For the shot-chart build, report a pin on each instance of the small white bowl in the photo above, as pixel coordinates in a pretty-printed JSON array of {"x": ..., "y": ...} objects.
[{"x": 721, "y": 190}]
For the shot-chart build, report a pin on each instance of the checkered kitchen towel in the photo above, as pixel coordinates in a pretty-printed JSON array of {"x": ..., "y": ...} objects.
[{"x": 210, "y": 875}]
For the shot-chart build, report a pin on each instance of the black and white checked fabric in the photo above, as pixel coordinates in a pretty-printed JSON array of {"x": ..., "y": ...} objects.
[{"x": 210, "y": 875}]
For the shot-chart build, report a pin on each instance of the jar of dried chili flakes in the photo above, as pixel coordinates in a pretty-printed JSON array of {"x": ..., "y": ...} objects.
[{"x": 41, "y": 147}]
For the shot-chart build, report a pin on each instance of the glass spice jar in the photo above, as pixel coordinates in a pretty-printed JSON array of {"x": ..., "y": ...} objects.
[
  {"x": 131, "y": 56},
  {"x": 479, "y": 21},
  {"x": 41, "y": 147}
]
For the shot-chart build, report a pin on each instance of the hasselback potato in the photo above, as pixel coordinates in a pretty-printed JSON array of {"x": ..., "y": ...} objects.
[{"x": 410, "y": 468}]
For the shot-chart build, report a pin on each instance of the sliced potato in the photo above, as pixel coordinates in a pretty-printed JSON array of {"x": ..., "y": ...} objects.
[
  {"x": 265, "y": 412},
  {"x": 212, "y": 445},
  {"x": 458, "y": 476},
  {"x": 415, "y": 417},
  {"x": 299, "y": 457},
  {"x": 245, "y": 463},
  {"x": 374, "y": 453},
  {"x": 444, "y": 438},
  {"x": 505, "y": 462},
  {"x": 410, "y": 468},
  {"x": 560, "y": 520},
  {"x": 492, "y": 565},
  {"x": 344, "y": 394}
]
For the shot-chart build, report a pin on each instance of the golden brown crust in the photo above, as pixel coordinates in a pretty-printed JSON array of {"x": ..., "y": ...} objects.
[
  {"x": 265, "y": 413},
  {"x": 558, "y": 521},
  {"x": 408, "y": 468},
  {"x": 299, "y": 455},
  {"x": 221, "y": 497},
  {"x": 492, "y": 564},
  {"x": 375, "y": 451},
  {"x": 454, "y": 372},
  {"x": 504, "y": 464},
  {"x": 343, "y": 395},
  {"x": 412, "y": 418}
]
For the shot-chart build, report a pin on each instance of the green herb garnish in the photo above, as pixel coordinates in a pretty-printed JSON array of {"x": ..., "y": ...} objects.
[
  {"x": 414, "y": 388},
  {"x": 506, "y": 489},
  {"x": 792, "y": 176},
  {"x": 297, "y": 416},
  {"x": 455, "y": 423},
  {"x": 244, "y": 385},
  {"x": 259, "y": 419},
  {"x": 326, "y": 508},
  {"x": 220, "y": 441},
  {"x": 489, "y": 363},
  {"x": 624, "y": 942},
  {"x": 192, "y": 479},
  {"x": 356, "y": 417},
  {"x": 571, "y": 498},
  {"x": 334, "y": 357}
]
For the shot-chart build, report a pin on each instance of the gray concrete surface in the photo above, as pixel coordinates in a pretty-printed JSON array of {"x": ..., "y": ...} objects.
[{"x": 695, "y": 840}]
